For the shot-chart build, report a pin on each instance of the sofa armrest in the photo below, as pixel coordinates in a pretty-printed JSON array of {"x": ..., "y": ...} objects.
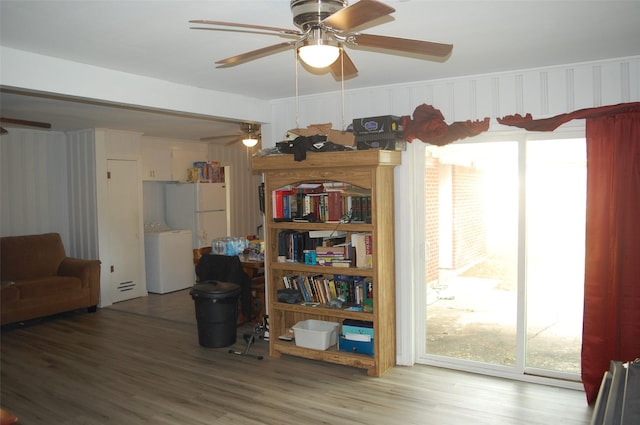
[{"x": 88, "y": 271}]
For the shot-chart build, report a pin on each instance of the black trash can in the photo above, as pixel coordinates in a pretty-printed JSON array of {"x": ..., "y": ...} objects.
[{"x": 216, "y": 312}]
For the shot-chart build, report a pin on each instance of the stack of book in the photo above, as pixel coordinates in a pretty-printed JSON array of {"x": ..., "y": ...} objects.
[
  {"x": 335, "y": 256},
  {"x": 292, "y": 244}
]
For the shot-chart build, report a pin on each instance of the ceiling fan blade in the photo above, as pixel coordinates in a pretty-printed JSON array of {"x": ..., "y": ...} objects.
[
  {"x": 25, "y": 122},
  {"x": 357, "y": 14},
  {"x": 343, "y": 62},
  {"x": 242, "y": 31},
  {"x": 427, "y": 48},
  {"x": 249, "y": 26},
  {"x": 236, "y": 140},
  {"x": 255, "y": 54},
  {"x": 214, "y": 138}
]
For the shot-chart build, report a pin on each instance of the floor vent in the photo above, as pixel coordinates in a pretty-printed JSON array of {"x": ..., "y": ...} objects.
[{"x": 126, "y": 286}]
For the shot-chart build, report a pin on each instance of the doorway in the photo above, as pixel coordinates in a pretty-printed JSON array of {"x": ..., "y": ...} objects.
[{"x": 504, "y": 264}]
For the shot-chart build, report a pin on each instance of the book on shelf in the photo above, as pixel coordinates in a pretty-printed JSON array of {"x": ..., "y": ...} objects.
[
  {"x": 292, "y": 244},
  {"x": 339, "y": 255},
  {"x": 363, "y": 245},
  {"x": 360, "y": 208},
  {"x": 327, "y": 234},
  {"x": 334, "y": 207},
  {"x": 328, "y": 202},
  {"x": 277, "y": 202},
  {"x": 322, "y": 288}
]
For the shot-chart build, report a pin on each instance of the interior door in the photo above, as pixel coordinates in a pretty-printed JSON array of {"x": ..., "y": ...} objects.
[{"x": 124, "y": 234}]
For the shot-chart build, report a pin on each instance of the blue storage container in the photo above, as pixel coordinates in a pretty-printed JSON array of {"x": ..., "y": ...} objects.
[{"x": 361, "y": 347}]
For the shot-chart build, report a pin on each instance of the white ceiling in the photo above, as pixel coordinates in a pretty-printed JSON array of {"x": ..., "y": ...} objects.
[{"x": 153, "y": 38}]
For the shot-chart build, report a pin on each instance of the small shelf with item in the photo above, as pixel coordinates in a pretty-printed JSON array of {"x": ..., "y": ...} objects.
[
  {"x": 322, "y": 202},
  {"x": 336, "y": 291},
  {"x": 330, "y": 355}
]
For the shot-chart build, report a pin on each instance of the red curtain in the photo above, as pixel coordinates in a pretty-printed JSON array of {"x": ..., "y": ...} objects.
[
  {"x": 428, "y": 125},
  {"x": 611, "y": 323}
]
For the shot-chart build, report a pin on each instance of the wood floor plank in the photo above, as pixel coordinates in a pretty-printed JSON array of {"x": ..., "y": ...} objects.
[{"x": 130, "y": 365}]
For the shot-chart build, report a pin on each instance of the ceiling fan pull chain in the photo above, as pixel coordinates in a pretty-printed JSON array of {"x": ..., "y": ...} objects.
[
  {"x": 295, "y": 58},
  {"x": 342, "y": 86}
]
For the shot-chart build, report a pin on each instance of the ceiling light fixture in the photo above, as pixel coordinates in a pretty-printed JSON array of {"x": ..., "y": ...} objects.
[
  {"x": 250, "y": 142},
  {"x": 318, "y": 50}
]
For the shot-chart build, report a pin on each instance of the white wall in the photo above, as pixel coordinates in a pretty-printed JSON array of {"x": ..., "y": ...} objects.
[
  {"x": 542, "y": 92},
  {"x": 33, "y": 189},
  {"x": 246, "y": 216}
]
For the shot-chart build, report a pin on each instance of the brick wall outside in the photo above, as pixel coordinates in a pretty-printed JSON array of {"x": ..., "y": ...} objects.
[
  {"x": 469, "y": 233},
  {"x": 432, "y": 224}
]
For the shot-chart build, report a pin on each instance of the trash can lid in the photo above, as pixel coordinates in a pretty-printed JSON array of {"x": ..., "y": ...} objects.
[{"x": 215, "y": 289}]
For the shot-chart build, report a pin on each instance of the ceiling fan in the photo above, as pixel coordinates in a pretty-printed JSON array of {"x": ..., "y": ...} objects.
[
  {"x": 22, "y": 123},
  {"x": 325, "y": 28},
  {"x": 248, "y": 134}
]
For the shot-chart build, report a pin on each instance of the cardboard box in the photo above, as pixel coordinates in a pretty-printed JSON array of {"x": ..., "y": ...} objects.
[{"x": 344, "y": 138}]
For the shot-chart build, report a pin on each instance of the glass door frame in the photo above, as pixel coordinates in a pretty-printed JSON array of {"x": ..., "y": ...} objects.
[{"x": 518, "y": 371}]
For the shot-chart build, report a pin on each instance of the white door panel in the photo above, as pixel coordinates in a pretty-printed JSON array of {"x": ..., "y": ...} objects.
[{"x": 124, "y": 236}]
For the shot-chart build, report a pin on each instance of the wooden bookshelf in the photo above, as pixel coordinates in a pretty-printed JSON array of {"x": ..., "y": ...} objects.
[{"x": 370, "y": 170}]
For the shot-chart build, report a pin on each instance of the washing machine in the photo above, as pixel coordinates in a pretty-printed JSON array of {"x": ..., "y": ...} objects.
[{"x": 169, "y": 260}]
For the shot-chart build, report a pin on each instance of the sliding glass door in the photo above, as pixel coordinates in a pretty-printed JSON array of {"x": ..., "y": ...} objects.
[
  {"x": 504, "y": 237},
  {"x": 555, "y": 217}
]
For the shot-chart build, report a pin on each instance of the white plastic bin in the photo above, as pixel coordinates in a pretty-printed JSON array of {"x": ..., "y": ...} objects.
[{"x": 316, "y": 334}]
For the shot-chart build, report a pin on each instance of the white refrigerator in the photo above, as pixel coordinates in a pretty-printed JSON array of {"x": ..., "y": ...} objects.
[
  {"x": 169, "y": 260},
  {"x": 200, "y": 207}
]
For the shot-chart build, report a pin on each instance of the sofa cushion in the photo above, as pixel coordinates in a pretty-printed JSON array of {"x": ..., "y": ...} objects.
[
  {"x": 31, "y": 256},
  {"x": 48, "y": 287},
  {"x": 9, "y": 294}
]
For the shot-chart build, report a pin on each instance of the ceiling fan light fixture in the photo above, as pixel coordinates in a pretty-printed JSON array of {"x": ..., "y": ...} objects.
[
  {"x": 250, "y": 142},
  {"x": 319, "y": 51}
]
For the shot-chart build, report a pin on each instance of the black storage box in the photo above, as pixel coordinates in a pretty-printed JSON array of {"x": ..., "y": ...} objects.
[
  {"x": 383, "y": 144},
  {"x": 387, "y": 125},
  {"x": 216, "y": 306},
  {"x": 384, "y": 132}
]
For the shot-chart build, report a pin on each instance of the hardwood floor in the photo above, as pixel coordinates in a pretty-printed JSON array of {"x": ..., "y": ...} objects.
[{"x": 138, "y": 363}]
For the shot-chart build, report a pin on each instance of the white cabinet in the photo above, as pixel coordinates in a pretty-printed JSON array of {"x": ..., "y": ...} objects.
[
  {"x": 156, "y": 164},
  {"x": 166, "y": 163}
]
